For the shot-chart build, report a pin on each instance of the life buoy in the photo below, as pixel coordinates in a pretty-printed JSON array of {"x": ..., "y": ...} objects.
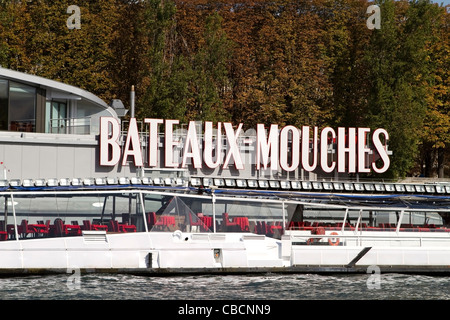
[{"x": 333, "y": 241}]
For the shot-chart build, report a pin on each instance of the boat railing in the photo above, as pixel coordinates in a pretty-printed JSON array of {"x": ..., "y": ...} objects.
[
  {"x": 370, "y": 239},
  {"x": 70, "y": 125}
]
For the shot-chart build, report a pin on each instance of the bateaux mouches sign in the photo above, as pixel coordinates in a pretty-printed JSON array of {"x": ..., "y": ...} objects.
[{"x": 288, "y": 148}]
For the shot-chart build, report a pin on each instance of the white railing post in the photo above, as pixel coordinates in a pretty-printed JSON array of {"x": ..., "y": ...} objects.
[
  {"x": 141, "y": 200},
  {"x": 399, "y": 221},
  {"x": 214, "y": 210},
  {"x": 345, "y": 219},
  {"x": 16, "y": 232}
]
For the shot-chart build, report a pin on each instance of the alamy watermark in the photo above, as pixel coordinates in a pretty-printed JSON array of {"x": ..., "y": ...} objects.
[
  {"x": 374, "y": 280},
  {"x": 74, "y": 280},
  {"x": 374, "y": 21},
  {"x": 74, "y": 21}
]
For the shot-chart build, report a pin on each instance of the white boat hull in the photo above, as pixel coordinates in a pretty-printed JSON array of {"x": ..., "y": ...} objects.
[{"x": 164, "y": 252}]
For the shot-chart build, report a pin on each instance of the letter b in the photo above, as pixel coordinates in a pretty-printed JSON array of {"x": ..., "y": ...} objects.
[{"x": 109, "y": 142}]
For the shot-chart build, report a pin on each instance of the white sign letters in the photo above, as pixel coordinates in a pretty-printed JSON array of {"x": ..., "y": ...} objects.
[{"x": 347, "y": 150}]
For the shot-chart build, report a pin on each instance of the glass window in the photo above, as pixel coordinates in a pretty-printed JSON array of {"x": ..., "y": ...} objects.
[
  {"x": 58, "y": 115},
  {"x": 3, "y": 104},
  {"x": 22, "y": 111}
]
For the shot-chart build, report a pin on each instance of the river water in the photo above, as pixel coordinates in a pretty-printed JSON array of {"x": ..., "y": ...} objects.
[{"x": 283, "y": 287}]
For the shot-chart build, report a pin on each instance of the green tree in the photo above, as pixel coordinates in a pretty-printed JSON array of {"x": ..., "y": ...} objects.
[
  {"x": 347, "y": 38},
  {"x": 398, "y": 75},
  {"x": 129, "y": 64},
  {"x": 436, "y": 133},
  {"x": 38, "y": 41},
  {"x": 211, "y": 84},
  {"x": 167, "y": 92}
]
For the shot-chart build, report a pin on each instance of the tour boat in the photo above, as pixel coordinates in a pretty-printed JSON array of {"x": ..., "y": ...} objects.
[{"x": 86, "y": 188}]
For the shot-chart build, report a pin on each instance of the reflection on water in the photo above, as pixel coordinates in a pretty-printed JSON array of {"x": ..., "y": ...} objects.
[{"x": 226, "y": 287}]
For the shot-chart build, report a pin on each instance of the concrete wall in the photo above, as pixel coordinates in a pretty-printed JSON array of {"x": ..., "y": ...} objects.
[
  {"x": 45, "y": 156},
  {"x": 29, "y": 155}
]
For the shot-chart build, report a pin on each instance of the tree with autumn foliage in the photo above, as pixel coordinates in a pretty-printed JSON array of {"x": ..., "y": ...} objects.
[
  {"x": 396, "y": 57},
  {"x": 288, "y": 62},
  {"x": 166, "y": 94},
  {"x": 210, "y": 84},
  {"x": 436, "y": 134},
  {"x": 38, "y": 41}
]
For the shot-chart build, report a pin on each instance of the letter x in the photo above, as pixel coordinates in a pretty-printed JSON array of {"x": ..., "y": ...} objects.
[{"x": 233, "y": 149}]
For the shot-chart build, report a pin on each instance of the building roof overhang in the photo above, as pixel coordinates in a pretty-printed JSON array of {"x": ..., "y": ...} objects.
[{"x": 54, "y": 86}]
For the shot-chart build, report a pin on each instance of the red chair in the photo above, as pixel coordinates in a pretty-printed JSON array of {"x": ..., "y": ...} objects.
[
  {"x": 95, "y": 227},
  {"x": 11, "y": 230},
  {"x": 151, "y": 219},
  {"x": 3, "y": 232},
  {"x": 197, "y": 223},
  {"x": 165, "y": 222},
  {"x": 73, "y": 229},
  {"x": 278, "y": 227},
  {"x": 266, "y": 229},
  {"x": 227, "y": 225},
  {"x": 113, "y": 226},
  {"x": 58, "y": 228},
  {"x": 61, "y": 230},
  {"x": 208, "y": 221},
  {"x": 86, "y": 225},
  {"x": 245, "y": 224},
  {"x": 25, "y": 229},
  {"x": 125, "y": 227},
  {"x": 242, "y": 222},
  {"x": 42, "y": 228},
  {"x": 258, "y": 227}
]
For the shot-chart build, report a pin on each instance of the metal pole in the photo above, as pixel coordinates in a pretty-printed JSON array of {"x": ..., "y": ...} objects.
[
  {"x": 345, "y": 219},
  {"x": 399, "y": 222},
  {"x": 15, "y": 220},
  {"x": 132, "y": 100},
  {"x": 144, "y": 215},
  {"x": 103, "y": 209},
  {"x": 6, "y": 214},
  {"x": 214, "y": 210},
  {"x": 358, "y": 222}
]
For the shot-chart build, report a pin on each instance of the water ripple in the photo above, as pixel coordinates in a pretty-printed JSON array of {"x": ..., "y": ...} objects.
[{"x": 226, "y": 287}]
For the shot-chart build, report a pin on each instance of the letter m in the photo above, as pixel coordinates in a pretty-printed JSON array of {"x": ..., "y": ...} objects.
[{"x": 265, "y": 146}]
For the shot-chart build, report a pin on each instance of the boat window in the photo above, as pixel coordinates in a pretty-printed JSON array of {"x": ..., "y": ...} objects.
[
  {"x": 22, "y": 110},
  {"x": 3, "y": 104},
  {"x": 57, "y": 116},
  {"x": 265, "y": 218},
  {"x": 69, "y": 215},
  {"x": 88, "y": 115},
  {"x": 310, "y": 217},
  {"x": 170, "y": 213},
  {"x": 188, "y": 214}
]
